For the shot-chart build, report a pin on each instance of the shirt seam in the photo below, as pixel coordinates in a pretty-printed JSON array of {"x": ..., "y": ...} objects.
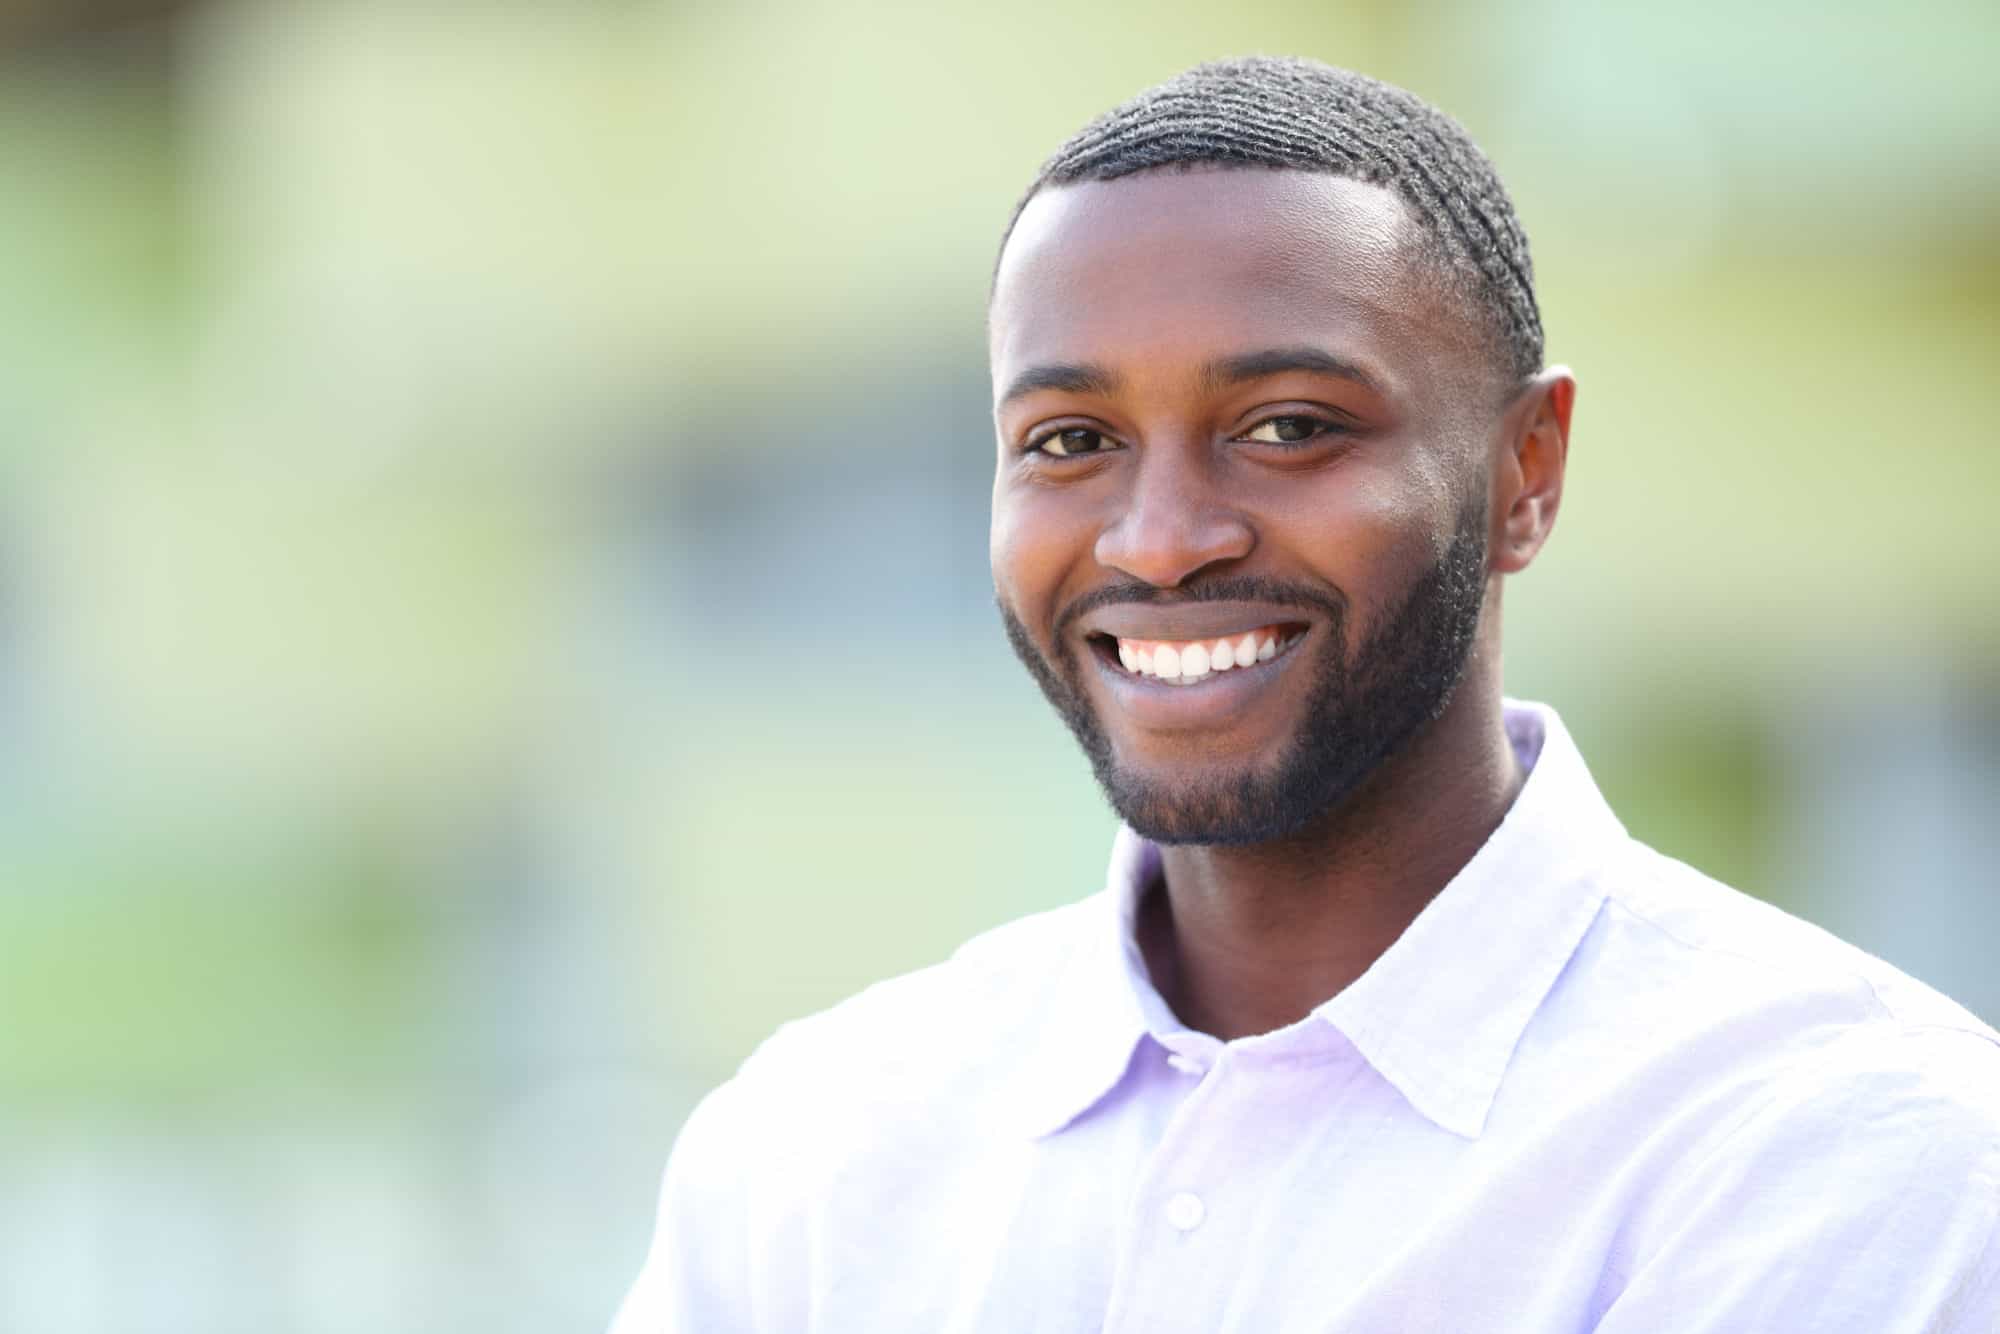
[{"x": 1883, "y": 1009}]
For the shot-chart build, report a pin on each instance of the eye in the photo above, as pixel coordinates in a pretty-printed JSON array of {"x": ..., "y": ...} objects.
[
  {"x": 1289, "y": 430},
  {"x": 1070, "y": 441}
]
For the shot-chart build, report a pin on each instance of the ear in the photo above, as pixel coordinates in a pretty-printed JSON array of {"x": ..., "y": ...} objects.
[{"x": 1528, "y": 477}]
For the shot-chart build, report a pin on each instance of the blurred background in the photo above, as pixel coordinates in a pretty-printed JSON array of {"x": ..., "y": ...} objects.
[{"x": 493, "y": 596}]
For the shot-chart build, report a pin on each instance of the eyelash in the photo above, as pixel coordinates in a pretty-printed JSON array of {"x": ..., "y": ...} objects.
[
  {"x": 1035, "y": 444},
  {"x": 1322, "y": 427}
]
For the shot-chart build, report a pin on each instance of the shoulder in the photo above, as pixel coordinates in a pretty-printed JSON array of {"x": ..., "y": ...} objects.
[
  {"x": 993, "y": 984},
  {"x": 1789, "y": 1035},
  {"x": 1667, "y": 918},
  {"x": 839, "y": 1120},
  {"x": 876, "y": 1096},
  {"x": 1702, "y": 1014},
  {"x": 1859, "y": 1191},
  {"x": 1817, "y": 1132},
  {"x": 947, "y": 1035},
  {"x": 1862, "y": 1194}
]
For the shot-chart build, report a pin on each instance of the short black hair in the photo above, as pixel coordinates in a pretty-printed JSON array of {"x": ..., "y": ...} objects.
[{"x": 1286, "y": 112}]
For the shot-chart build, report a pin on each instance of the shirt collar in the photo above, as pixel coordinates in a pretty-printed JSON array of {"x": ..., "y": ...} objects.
[
  {"x": 1097, "y": 1020},
  {"x": 1439, "y": 1014}
]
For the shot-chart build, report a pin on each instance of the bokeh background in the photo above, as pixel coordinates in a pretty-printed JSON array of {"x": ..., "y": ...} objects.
[{"x": 493, "y": 606}]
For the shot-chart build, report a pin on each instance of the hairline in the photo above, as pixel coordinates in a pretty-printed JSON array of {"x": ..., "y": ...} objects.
[{"x": 1420, "y": 248}]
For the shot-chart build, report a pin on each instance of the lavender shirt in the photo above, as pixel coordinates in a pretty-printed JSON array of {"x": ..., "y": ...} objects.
[{"x": 1587, "y": 1089}]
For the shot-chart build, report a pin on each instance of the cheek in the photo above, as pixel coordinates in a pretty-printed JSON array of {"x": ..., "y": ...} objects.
[
  {"x": 1352, "y": 524},
  {"x": 1032, "y": 548},
  {"x": 1369, "y": 534}
]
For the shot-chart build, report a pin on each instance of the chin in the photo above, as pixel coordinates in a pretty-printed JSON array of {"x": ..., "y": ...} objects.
[{"x": 1223, "y": 810}]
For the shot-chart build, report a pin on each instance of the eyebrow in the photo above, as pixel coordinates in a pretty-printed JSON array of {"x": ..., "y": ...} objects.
[
  {"x": 1085, "y": 378},
  {"x": 1277, "y": 360},
  {"x": 1068, "y": 376}
]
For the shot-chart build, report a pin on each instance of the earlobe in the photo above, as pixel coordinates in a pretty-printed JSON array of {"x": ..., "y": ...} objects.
[{"x": 1538, "y": 431}]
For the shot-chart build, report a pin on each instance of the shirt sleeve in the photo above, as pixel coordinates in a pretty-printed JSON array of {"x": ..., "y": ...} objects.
[
  {"x": 696, "y": 1275},
  {"x": 1862, "y": 1200}
]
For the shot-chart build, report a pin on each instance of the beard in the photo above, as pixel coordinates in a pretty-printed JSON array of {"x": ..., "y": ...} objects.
[{"x": 1361, "y": 707}]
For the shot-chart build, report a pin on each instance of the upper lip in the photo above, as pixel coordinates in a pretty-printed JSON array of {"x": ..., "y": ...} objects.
[{"x": 1189, "y": 620}]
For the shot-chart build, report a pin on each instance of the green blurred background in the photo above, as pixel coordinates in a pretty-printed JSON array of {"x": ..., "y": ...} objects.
[{"x": 493, "y": 607}]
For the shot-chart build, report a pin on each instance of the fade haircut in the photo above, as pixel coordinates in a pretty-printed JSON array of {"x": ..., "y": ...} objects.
[{"x": 1284, "y": 112}]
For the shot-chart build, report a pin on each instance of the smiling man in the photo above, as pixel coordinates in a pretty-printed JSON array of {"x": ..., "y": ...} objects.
[{"x": 1382, "y": 1022}]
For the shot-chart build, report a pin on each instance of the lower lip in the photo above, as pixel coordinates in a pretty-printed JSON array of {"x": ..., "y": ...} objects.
[{"x": 1207, "y": 704}]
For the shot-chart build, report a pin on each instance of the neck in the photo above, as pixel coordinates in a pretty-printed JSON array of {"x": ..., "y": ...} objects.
[{"x": 1245, "y": 940}]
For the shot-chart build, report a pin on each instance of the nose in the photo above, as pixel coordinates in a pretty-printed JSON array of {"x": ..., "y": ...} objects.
[{"x": 1173, "y": 523}]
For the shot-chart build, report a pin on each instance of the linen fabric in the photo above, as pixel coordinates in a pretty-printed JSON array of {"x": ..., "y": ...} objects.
[{"x": 1587, "y": 1089}]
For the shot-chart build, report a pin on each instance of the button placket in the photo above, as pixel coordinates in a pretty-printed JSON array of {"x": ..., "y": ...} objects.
[
  {"x": 1184, "y": 1209},
  {"x": 1169, "y": 1224}
]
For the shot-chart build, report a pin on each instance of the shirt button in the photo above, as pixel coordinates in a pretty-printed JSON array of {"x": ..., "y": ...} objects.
[{"x": 1185, "y": 1211}]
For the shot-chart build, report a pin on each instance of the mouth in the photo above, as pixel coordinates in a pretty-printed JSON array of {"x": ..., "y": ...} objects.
[{"x": 1190, "y": 662}]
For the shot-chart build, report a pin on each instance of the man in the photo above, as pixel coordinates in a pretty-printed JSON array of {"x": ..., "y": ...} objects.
[{"x": 1382, "y": 1022}]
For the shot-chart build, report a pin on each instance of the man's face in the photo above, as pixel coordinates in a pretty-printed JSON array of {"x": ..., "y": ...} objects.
[{"x": 1240, "y": 512}]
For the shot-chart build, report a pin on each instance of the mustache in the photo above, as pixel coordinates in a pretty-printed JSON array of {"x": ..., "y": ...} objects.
[{"x": 1221, "y": 588}]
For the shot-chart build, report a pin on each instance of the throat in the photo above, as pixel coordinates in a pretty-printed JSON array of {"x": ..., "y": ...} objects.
[
  {"x": 1248, "y": 939},
  {"x": 1254, "y": 967}
]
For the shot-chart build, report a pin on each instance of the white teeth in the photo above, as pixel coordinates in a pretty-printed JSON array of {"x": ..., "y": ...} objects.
[
  {"x": 1195, "y": 662},
  {"x": 1189, "y": 663}
]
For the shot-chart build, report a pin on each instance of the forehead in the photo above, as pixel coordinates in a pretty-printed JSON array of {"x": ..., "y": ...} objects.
[{"x": 1172, "y": 268}]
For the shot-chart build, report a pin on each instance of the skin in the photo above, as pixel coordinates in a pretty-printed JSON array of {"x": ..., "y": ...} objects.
[{"x": 1180, "y": 479}]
